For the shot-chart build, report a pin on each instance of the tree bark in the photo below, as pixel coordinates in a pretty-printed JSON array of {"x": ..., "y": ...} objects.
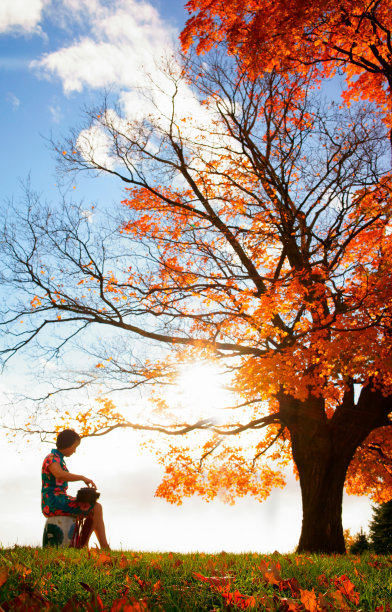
[
  {"x": 322, "y": 498},
  {"x": 322, "y": 451}
]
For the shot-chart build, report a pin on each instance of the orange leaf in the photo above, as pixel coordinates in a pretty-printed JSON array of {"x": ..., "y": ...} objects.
[
  {"x": 141, "y": 583},
  {"x": 272, "y": 576},
  {"x": 3, "y": 575},
  {"x": 270, "y": 573},
  {"x": 309, "y": 599},
  {"x": 124, "y": 605},
  {"x": 33, "y": 602},
  {"x": 338, "y": 597},
  {"x": 22, "y": 569},
  {"x": 101, "y": 558},
  {"x": 347, "y": 588},
  {"x": 123, "y": 563},
  {"x": 292, "y": 606},
  {"x": 200, "y": 577}
]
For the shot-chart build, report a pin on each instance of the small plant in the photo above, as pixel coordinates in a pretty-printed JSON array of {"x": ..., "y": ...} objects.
[{"x": 360, "y": 544}]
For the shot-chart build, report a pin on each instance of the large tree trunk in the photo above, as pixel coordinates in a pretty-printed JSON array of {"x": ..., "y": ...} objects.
[
  {"x": 322, "y": 451},
  {"x": 322, "y": 482}
]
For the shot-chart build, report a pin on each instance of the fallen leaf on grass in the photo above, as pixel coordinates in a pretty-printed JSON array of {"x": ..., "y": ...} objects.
[
  {"x": 95, "y": 601},
  {"x": 126, "y": 605},
  {"x": 73, "y": 605},
  {"x": 283, "y": 604},
  {"x": 3, "y": 575},
  {"x": 303, "y": 560},
  {"x": 157, "y": 587},
  {"x": 87, "y": 587},
  {"x": 22, "y": 569},
  {"x": 309, "y": 600},
  {"x": 31, "y": 602},
  {"x": 156, "y": 564},
  {"x": 270, "y": 572},
  {"x": 123, "y": 563},
  {"x": 323, "y": 603},
  {"x": 100, "y": 557},
  {"x": 323, "y": 581},
  {"x": 292, "y": 584},
  {"x": 289, "y": 605},
  {"x": 128, "y": 582},
  {"x": 339, "y": 599},
  {"x": 231, "y": 598},
  {"x": 347, "y": 588},
  {"x": 214, "y": 580},
  {"x": 142, "y": 583},
  {"x": 120, "y": 605},
  {"x": 235, "y": 598},
  {"x": 268, "y": 603},
  {"x": 359, "y": 574}
]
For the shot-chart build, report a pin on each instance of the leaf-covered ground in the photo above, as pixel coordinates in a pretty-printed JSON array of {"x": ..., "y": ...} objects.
[{"x": 34, "y": 579}]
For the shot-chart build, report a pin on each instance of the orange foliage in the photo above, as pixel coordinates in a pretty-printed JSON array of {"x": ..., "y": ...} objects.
[
  {"x": 351, "y": 35},
  {"x": 92, "y": 420},
  {"x": 371, "y": 468},
  {"x": 228, "y": 474}
]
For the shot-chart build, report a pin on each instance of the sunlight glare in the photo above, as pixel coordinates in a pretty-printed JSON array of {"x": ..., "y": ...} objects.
[{"x": 202, "y": 391}]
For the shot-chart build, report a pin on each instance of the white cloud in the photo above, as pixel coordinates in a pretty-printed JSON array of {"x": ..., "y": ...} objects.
[
  {"x": 94, "y": 143},
  {"x": 126, "y": 47},
  {"x": 13, "y": 100},
  {"x": 84, "y": 64},
  {"x": 87, "y": 214},
  {"x": 121, "y": 45},
  {"x": 21, "y": 16},
  {"x": 118, "y": 40},
  {"x": 56, "y": 113}
]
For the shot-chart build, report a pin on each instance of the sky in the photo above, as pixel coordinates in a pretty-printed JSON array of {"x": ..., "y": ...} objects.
[{"x": 56, "y": 57}]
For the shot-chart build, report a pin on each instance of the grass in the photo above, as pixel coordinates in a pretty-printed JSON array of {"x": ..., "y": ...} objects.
[{"x": 67, "y": 580}]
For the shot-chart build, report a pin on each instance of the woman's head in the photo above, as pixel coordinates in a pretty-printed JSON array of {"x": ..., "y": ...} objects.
[{"x": 67, "y": 441}]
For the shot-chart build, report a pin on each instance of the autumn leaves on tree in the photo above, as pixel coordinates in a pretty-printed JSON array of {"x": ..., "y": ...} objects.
[
  {"x": 352, "y": 37},
  {"x": 255, "y": 233}
]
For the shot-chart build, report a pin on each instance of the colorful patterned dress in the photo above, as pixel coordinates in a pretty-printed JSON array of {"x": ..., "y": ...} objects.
[{"x": 54, "y": 498}]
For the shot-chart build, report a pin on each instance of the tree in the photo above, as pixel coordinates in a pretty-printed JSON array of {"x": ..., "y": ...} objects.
[
  {"x": 360, "y": 544},
  {"x": 255, "y": 232},
  {"x": 353, "y": 36},
  {"x": 381, "y": 529}
]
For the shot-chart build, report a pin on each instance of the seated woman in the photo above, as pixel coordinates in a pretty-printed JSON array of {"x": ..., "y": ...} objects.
[{"x": 55, "y": 478}]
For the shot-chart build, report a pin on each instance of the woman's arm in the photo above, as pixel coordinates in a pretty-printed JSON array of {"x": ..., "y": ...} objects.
[{"x": 61, "y": 474}]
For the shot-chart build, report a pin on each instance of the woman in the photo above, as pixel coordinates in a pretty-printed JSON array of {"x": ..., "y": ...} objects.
[{"x": 55, "y": 479}]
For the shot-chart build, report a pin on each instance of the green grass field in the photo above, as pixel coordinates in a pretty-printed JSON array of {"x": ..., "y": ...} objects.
[{"x": 34, "y": 579}]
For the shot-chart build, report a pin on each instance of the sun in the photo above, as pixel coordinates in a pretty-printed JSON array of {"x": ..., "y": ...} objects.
[{"x": 201, "y": 391}]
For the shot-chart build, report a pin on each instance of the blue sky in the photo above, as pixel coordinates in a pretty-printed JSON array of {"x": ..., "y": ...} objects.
[{"x": 55, "y": 57}]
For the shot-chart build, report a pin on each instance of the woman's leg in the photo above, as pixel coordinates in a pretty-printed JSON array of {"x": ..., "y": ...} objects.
[{"x": 99, "y": 526}]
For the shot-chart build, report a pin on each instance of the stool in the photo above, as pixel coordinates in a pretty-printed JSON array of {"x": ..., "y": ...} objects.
[{"x": 58, "y": 531}]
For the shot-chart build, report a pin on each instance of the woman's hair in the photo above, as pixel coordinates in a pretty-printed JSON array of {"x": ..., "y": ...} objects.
[{"x": 66, "y": 438}]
